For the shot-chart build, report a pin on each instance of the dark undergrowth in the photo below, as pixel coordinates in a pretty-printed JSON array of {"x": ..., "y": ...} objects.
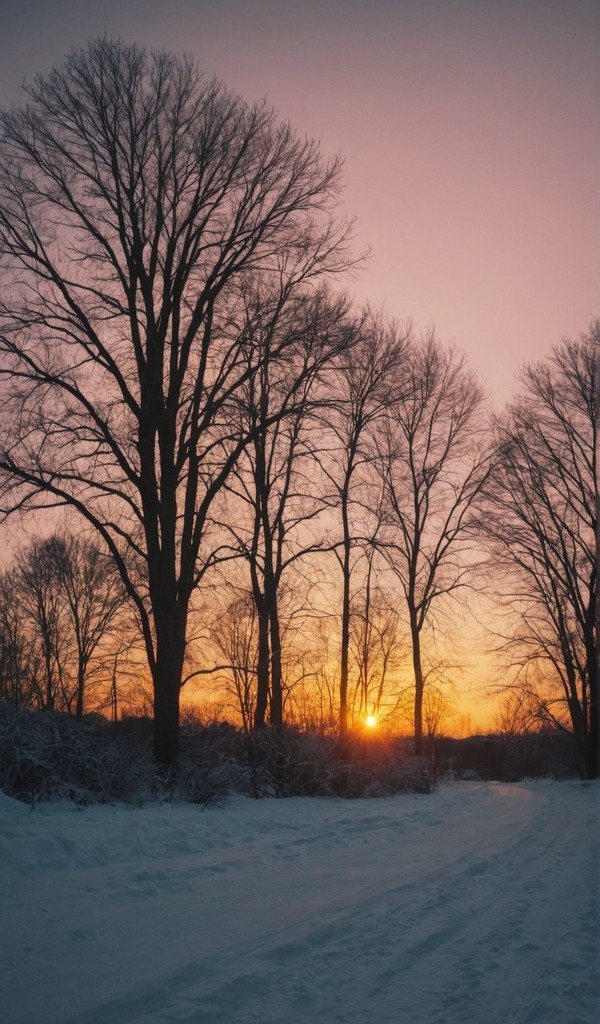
[{"x": 46, "y": 756}]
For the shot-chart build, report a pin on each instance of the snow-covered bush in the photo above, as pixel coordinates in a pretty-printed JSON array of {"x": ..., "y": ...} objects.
[
  {"x": 49, "y": 755},
  {"x": 293, "y": 763}
]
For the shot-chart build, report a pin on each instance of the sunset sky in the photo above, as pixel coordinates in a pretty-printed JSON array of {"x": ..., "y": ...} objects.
[{"x": 470, "y": 130}]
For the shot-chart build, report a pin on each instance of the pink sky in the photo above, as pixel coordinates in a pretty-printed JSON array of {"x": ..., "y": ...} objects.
[{"x": 470, "y": 130}]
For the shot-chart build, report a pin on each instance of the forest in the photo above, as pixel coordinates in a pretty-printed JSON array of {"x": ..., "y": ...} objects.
[{"x": 240, "y": 495}]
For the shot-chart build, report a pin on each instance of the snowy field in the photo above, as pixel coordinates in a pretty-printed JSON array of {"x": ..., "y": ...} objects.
[{"x": 477, "y": 904}]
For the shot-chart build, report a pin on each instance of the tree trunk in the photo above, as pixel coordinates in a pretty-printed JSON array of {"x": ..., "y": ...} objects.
[
  {"x": 113, "y": 696},
  {"x": 345, "y": 637},
  {"x": 592, "y": 633},
  {"x": 47, "y": 645},
  {"x": 262, "y": 669},
  {"x": 344, "y": 656},
  {"x": 80, "y": 689},
  {"x": 276, "y": 676},
  {"x": 419, "y": 687},
  {"x": 593, "y": 760},
  {"x": 167, "y": 676},
  {"x": 166, "y": 714}
]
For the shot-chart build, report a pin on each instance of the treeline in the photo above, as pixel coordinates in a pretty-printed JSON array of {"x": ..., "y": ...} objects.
[
  {"x": 69, "y": 639},
  {"x": 322, "y": 582},
  {"x": 290, "y": 493}
]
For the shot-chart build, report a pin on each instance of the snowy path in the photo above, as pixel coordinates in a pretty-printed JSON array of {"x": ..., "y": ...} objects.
[{"x": 475, "y": 905}]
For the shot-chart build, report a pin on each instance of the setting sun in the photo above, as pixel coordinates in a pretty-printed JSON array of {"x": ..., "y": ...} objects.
[{"x": 370, "y": 721}]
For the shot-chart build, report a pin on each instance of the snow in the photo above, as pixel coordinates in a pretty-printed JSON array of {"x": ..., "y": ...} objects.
[{"x": 476, "y": 904}]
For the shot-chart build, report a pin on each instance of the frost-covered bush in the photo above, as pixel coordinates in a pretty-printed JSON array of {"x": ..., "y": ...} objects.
[
  {"x": 48, "y": 755},
  {"x": 211, "y": 765},
  {"x": 292, "y": 763}
]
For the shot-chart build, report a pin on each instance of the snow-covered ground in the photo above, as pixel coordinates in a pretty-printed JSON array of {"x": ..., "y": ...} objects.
[{"x": 477, "y": 904}]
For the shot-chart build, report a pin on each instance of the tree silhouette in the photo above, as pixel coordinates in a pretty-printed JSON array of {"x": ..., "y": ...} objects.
[
  {"x": 137, "y": 200},
  {"x": 542, "y": 506},
  {"x": 274, "y": 480},
  {"x": 366, "y": 383},
  {"x": 434, "y": 466}
]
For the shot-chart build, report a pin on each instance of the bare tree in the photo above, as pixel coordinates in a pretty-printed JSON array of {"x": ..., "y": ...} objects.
[
  {"x": 276, "y": 479},
  {"x": 377, "y": 646},
  {"x": 137, "y": 200},
  {"x": 40, "y": 604},
  {"x": 438, "y": 711},
  {"x": 92, "y": 595},
  {"x": 518, "y": 714},
  {"x": 236, "y": 641},
  {"x": 365, "y": 385},
  {"x": 60, "y": 599},
  {"x": 541, "y": 517},
  {"x": 433, "y": 465},
  {"x": 16, "y": 645}
]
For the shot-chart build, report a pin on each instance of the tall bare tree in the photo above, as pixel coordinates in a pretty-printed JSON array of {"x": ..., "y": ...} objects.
[
  {"x": 137, "y": 199},
  {"x": 276, "y": 480},
  {"x": 434, "y": 465},
  {"x": 542, "y": 507},
  {"x": 366, "y": 382},
  {"x": 377, "y": 643}
]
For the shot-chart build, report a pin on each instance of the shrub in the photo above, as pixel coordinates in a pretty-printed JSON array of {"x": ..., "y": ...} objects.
[{"x": 49, "y": 755}]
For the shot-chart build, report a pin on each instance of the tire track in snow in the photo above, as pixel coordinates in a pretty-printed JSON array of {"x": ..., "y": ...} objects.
[
  {"x": 488, "y": 939},
  {"x": 465, "y": 907}
]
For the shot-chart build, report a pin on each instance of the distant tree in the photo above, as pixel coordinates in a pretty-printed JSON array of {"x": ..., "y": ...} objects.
[
  {"x": 61, "y": 598},
  {"x": 438, "y": 712},
  {"x": 433, "y": 464},
  {"x": 377, "y": 643},
  {"x": 235, "y": 638},
  {"x": 137, "y": 202},
  {"x": 40, "y": 603},
  {"x": 518, "y": 713},
  {"x": 91, "y": 595},
  {"x": 541, "y": 519},
  {"x": 314, "y": 700},
  {"x": 16, "y": 653}
]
